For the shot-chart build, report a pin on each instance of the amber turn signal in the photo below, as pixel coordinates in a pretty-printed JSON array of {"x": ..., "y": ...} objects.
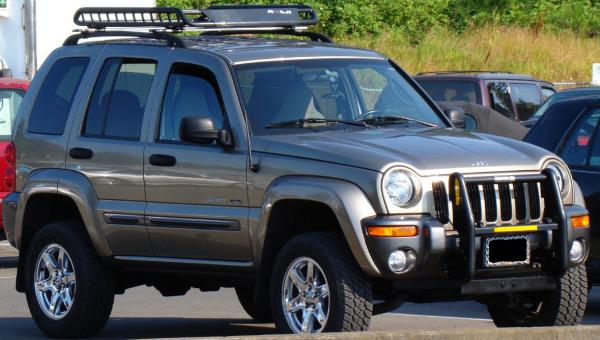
[
  {"x": 393, "y": 231},
  {"x": 582, "y": 221}
]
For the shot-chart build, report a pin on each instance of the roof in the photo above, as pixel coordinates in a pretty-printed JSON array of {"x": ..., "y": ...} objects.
[
  {"x": 240, "y": 50},
  {"x": 11, "y": 83},
  {"x": 478, "y": 75}
]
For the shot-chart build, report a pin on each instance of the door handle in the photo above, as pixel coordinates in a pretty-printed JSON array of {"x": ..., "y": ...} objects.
[
  {"x": 162, "y": 160},
  {"x": 81, "y": 153}
]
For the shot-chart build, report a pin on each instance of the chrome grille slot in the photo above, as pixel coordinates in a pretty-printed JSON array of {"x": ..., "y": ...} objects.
[
  {"x": 505, "y": 201},
  {"x": 520, "y": 201},
  {"x": 474, "y": 198},
  {"x": 489, "y": 194}
]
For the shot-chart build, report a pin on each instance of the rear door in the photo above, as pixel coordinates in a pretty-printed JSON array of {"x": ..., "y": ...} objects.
[
  {"x": 107, "y": 144},
  {"x": 197, "y": 198},
  {"x": 582, "y": 152}
]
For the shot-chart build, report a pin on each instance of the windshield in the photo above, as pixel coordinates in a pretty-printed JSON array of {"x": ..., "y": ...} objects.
[
  {"x": 330, "y": 93},
  {"x": 10, "y": 100}
]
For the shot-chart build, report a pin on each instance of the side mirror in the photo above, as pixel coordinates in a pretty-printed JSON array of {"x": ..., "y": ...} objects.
[
  {"x": 202, "y": 131},
  {"x": 457, "y": 117}
]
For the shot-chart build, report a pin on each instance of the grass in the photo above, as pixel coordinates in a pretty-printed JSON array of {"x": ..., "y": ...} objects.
[{"x": 555, "y": 57}]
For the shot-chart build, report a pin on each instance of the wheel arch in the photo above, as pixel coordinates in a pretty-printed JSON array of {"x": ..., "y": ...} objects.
[{"x": 345, "y": 201}]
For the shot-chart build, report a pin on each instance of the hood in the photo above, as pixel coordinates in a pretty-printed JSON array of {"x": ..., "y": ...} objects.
[{"x": 433, "y": 151}]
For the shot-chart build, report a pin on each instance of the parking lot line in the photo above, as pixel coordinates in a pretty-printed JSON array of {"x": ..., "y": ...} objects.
[{"x": 441, "y": 317}]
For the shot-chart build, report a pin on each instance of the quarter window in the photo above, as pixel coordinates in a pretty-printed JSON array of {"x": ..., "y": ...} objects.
[
  {"x": 577, "y": 148},
  {"x": 55, "y": 98},
  {"x": 116, "y": 109},
  {"x": 527, "y": 99},
  {"x": 191, "y": 92},
  {"x": 501, "y": 102},
  {"x": 547, "y": 92}
]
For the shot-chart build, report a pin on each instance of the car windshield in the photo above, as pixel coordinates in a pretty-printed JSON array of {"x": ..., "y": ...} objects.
[
  {"x": 10, "y": 100},
  {"x": 318, "y": 94}
]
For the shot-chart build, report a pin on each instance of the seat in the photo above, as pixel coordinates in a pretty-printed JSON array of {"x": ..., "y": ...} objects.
[{"x": 124, "y": 116}]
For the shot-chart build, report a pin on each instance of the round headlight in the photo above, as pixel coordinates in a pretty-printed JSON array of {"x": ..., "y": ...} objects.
[
  {"x": 561, "y": 174},
  {"x": 399, "y": 187}
]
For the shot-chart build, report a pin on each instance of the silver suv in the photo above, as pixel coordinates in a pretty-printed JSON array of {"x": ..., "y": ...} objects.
[{"x": 318, "y": 180}]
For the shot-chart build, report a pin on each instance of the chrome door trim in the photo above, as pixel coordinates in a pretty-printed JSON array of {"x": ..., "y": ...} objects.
[{"x": 192, "y": 223}]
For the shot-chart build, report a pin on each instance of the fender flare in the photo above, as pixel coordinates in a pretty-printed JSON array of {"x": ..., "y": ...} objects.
[
  {"x": 72, "y": 185},
  {"x": 578, "y": 198},
  {"x": 347, "y": 201}
]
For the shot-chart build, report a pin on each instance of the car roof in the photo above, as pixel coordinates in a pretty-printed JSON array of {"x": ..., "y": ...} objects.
[
  {"x": 241, "y": 50},
  {"x": 12, "y": 83},
  {"x": 486, "y": 75},
  {"x": 591, "y": 89}
]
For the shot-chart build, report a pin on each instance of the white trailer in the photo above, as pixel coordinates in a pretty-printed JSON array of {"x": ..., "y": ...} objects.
[{"x": 31, "y": 29}]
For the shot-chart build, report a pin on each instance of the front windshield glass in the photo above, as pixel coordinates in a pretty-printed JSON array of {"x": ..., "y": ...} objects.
[
  {"x": 10, "y": 100},
  {"x": 320, "y": 92}
]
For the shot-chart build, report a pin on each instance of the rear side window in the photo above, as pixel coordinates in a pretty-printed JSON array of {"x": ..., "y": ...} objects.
[
  {"x": 452, "y": 90},
  {"x": 501, "y": 102},
  {"x": 55, "y": 98},
  {"x": 116, "y": 109},
  {"x": 547, "y": 92},
  {"x": 527, "y": 99}
]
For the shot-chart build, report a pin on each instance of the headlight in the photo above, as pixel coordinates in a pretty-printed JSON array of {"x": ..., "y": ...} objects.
[
  {"x": 400, "y": 187},
  {"x": 562, "y": 177}
]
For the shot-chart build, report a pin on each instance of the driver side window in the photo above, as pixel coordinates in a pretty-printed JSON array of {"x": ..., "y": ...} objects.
[{"x": 191, "y": 92}]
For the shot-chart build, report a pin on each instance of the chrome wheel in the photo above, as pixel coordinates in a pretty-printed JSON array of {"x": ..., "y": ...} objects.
[
  {"x": 305, "y": 296},
  {"x": 54, "y": 281}
]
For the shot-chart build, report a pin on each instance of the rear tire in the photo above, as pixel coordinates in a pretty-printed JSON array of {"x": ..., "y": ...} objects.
[
  {"x": 256, "y": 305},
  {"x": 92, "y": 287},
  {"x": 563, "y": 306},
  {"x": 337, "y": 299}
]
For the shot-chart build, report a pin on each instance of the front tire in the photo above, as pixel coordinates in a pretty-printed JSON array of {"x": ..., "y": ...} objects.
[
  {"x": 563, "y": 306},
  {"x": 69, "y": 292},
  {"x": 318, "y": 287}
]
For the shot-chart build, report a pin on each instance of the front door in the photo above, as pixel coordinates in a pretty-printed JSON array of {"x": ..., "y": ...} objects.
[
  {"x": 582, "y": 152},
  {"x": 197, "y": 204}
]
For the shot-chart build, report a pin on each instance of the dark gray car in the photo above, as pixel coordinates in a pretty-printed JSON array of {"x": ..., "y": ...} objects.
[{"x": 318, "y": 180}]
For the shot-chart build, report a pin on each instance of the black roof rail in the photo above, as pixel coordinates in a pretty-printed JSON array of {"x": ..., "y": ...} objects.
[
  {"x": 215, "y": 20},
  {"x": 465, "y": 71},
  {"x": 253, "y": 16}
]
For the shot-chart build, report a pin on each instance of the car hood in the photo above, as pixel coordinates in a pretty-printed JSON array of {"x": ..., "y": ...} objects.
[{"x": 433, "y": 151}]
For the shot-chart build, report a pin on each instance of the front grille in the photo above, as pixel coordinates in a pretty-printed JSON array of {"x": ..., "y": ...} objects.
[{"x": 496, "y": 203}]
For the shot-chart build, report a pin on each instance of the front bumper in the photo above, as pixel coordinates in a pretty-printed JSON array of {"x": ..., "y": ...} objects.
[{"x": 454, "y": 258}]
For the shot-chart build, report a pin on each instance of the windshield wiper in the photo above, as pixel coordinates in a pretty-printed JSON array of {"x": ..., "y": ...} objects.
[
  {"x": 301, "y": 123},
  {"x": 382, "y": 120}
]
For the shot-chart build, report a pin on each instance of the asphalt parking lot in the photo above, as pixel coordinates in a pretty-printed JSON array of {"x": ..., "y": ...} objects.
[{"x": 143, "y": 313}]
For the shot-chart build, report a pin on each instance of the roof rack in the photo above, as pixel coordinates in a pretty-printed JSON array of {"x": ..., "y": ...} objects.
[
  {"x": 225, "y": 20},
  {"x": 465, "y": 71}
]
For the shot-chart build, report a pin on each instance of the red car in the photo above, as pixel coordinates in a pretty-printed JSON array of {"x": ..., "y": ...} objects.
[{"x": 11, "y": 95}]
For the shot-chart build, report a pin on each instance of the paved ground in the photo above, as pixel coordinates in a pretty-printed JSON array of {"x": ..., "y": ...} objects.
[{"x": 143, "y": 313}]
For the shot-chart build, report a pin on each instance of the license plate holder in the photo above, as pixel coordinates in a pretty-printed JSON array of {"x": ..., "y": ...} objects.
[{"x": 506, "y": 251}]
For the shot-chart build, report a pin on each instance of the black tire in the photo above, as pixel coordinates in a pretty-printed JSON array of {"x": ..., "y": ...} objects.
[
  {"x": 94, "y": 290},
  {"x": 350, "y": 293},
  {"x": 563, "y": 306}
]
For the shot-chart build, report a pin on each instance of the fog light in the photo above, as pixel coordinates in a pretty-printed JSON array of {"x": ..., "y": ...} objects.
[
  {"x": 402, "y": 261},
  {"x": 577, "y": 251}
]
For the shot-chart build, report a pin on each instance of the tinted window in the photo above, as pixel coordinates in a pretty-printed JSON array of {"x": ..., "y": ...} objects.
[
  {"x": 452, "y": 90},
  {"x": 575, "y": 151},
  {"x": 55, "y": 98},
  {"x": 527, "y": 99},
  {"x": 116, "y": 109},
  {"x": 10, "y": 100},
  {"x": 501, "y": 102},
  {"x": 470, "y": 123},
  {"x": 547, "y": 92},
  {"x": 191, "y": 92}
]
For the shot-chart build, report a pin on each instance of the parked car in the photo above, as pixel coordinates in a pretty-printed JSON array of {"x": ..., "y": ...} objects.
[
  {"x": 320, "y": 181},
  {"x": 565, "y": 94},
  {"x": 516, "y": 96},
  {"x": 12, "y": 92},
  {"x": 569, "y": 128},
  {"x": 479, "y": 118}
]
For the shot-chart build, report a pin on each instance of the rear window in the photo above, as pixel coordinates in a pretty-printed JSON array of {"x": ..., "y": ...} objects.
[
  {"x": 452, "y": 90},
  {"x": 55, "y": 98},
  {"x": 10, "y": 100}
]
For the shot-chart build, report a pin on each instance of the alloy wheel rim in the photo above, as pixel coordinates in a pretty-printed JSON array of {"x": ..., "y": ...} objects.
[
  {"x": 305, "y": 296},
  {"x": 54, "y": 281}
]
